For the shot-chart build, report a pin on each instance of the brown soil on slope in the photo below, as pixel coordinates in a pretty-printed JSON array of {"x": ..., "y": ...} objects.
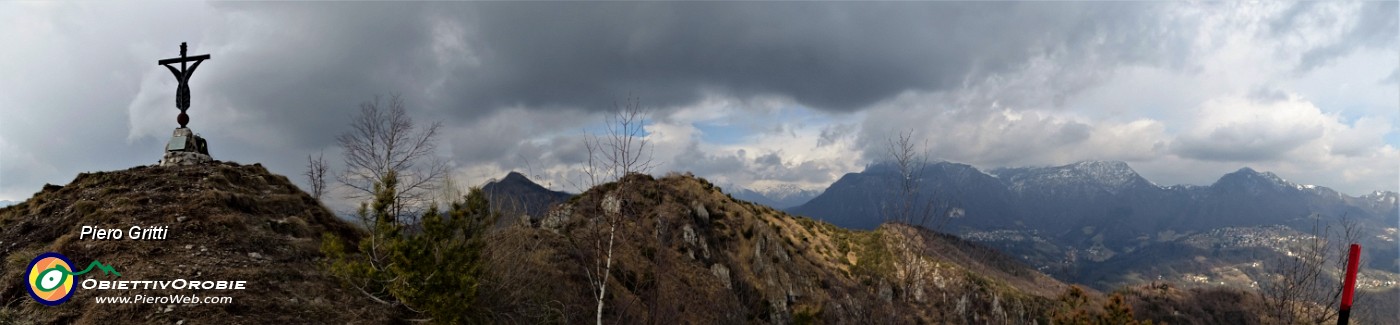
[
  {"x": 688, "y": 253},
  {"x": 226, "y": 222}
]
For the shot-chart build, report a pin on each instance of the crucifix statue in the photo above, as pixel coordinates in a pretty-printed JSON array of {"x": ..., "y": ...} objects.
[{"x": 182, "y": 75}]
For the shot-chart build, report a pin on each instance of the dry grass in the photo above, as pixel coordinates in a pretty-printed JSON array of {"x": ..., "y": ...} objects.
[
  {"x": 781, "y": 268},
  {"x": 217, "y": 215}
]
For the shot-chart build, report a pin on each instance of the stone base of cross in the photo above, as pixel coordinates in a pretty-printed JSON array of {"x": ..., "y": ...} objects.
[{"x": 185, "y": 148}]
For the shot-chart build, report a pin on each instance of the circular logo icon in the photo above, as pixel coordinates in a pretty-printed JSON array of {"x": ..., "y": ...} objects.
[{"x": 50, "y": 278}]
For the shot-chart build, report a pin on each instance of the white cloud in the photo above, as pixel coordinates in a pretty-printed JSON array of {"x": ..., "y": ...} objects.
[
  {"x": 1184, "y": 91},
  {"x": 1236, "y": 129},
  {"x": 996, "y": 136},
  {"x": 784, "y": 143}
]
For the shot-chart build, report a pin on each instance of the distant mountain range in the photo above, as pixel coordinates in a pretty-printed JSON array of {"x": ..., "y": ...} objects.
[
  {"x": 1095, "y": 210},
  {"x": 1094, "y": 193},
  {"x": 1071, "y": 221},
  {"x": 1097, "y": 223},
  {"x": 515, "y": 194},
  {"x": 780, "y": 197}
]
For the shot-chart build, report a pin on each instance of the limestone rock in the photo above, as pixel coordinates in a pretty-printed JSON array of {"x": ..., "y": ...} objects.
[
  {"x": 722, "y": 272},
  {"x": 611, "y": 204},
  {"x": 184, "y": 158},
  {"x": 557, "y": 218},
  {"x": 701, "y": 214},
  {"x": 688, "y": 234}
]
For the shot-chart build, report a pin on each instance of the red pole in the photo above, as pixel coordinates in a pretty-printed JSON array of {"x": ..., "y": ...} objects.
[{"x": 1349, "y": 284}]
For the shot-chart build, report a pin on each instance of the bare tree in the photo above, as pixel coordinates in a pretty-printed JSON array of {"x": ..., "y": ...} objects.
[
  {"x": 1301, "y": 289},
  {"x": 909, "y": 209},
  {"x": 620, "y": 150},
  {"x": 383, "y": 140},
  {"x": 909, "y": 205},
  {"x": 316, "y": 174}
]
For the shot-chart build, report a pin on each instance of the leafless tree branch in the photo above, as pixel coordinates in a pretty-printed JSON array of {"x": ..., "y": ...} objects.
[
  {"x": 909, "y": 209},
  {"x": 621, "y": 150},
  {"x": 1299, "y": 290},
  {"x": 316, "y": 169},
  {"x": 384, "y": 138}
]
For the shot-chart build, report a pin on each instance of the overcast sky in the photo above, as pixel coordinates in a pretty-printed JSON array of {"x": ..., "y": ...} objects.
[{"x": 753, "y": 94}]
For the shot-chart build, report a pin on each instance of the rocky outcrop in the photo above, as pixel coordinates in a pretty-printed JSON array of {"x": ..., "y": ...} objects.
[{"x": 222, "y": 221}]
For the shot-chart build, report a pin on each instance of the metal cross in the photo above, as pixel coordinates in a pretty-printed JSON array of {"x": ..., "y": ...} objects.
[{"x": 182, "y": 75}]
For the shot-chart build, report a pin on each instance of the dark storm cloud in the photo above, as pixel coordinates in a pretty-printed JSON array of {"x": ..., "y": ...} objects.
[
  {"x": 830, "y": 56},
  {"x": 510, "y": 80},
  {"x": 300, "y": 70},
  {"x": 303, "y": 68},
  {"x": 308, "y": 67}
]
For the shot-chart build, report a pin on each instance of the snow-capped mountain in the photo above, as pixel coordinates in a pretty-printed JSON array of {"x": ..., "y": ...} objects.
[
  {"x": 1382, "y": 197},
  {"x": 1051, "y": 216},
  {"x": 779, "y": 196},
  {"x": 787, "y": 192},
  {"x": 1109, "y": 176},
  {"x": 1382, "y": 201},
  {"x": 1100, "y": 194}
]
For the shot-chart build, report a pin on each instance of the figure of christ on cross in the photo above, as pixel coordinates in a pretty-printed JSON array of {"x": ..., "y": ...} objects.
[{"x": 182, "y": 75}]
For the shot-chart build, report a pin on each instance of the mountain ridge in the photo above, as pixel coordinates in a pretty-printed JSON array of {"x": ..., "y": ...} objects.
[
  {"x": 1094, "y": 211},
  {"x": 778, "y": 196},
  {"x": 1088, "y": 177},
  {"x": 749, "y": 262}
]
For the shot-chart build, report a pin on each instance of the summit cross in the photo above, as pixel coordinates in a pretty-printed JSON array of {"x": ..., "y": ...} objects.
[{"x": 182, "y": 75}]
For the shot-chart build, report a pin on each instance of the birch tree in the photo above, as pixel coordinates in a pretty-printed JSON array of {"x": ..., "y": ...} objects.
[
  {"x": 621, "y": 149},
  {"x": 910, "y": 209}
]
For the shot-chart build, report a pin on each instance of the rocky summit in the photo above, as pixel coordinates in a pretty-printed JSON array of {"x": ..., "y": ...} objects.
[{"x": 204, "y": 228}]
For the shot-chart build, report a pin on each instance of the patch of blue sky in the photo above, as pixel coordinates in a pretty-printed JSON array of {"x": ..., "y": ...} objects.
[
  {"x": 735, "y": 129},
  {"x": 722, "y": 133},
  {"x": 1349, "y": 117}
]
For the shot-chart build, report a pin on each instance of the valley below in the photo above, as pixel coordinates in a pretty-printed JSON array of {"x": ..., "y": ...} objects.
[{"x": 1101, "y": 225}]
